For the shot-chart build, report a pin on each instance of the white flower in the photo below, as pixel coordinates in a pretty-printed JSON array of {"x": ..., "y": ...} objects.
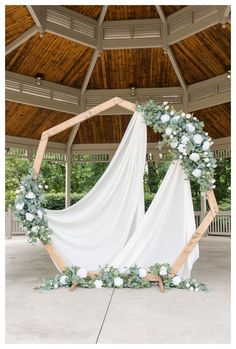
[
  {"x": 194, "y": 157},
  {"x": 163, "y": 270},
  {"x": 184, "y": 139},
  {"x": 55, "y": 285},
  {"x": 118, "y": 281},
  {"x": 30, "y": 195},
  {"x": 165, "y": 103},
  {"x": 197, "y": 139},
  {"x": 40, "y": 186},
  {"x": 98, "y": 283},
  {"x": 188, "y": 285},
  {"x": 168, "y": 131},
  {"x": 167, "y": 107},
  {"x": 208, "y": 164},
  {"x": 180, "y": 157},
  {"x": 82, "y": 273},
  {"x": 206, "y": 160},
  {"x": 213, "y": 181},
  {"x": 182, "y": 148},
  {"x": 176, "y": 118},
  {"x": 196, "y": 172},
  {"x": 142, "y": 272},
  {"x": 29, "y": 216},
  {"x": 190, "y": 127},
  {"x": 174, "y": 144},
  {"x": 206, "y": 145},
  {"x": 20, "y": 206},
  {"x": 35, "y": 229},
  {"x": 183, "y": 114},
  {"x": 171, "y": 136},
  {"x": 17, "y": 191},
  {"x": 191, "y": 288},
  {"x": 40, "y": 214},
  {"x": 172, "y": 112},
  {"x": 196, "y": 289},
  {"x": 188, "y": 116},
  {"x": 63, "y": 280},
  {"x": 46, "y": 187},
  {"x": 176, "y": 280},
  {"x": 165, "y": 118}
]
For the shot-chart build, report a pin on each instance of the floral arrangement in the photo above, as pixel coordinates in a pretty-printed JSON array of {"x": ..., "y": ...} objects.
[
  {"x": 133, "y": 277},
  {"x": 28, "y": 210},
  {"x": 184, "y": 134}
]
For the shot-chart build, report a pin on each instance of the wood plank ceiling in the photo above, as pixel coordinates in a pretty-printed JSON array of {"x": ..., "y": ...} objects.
[{"x": 200, "y": 57}]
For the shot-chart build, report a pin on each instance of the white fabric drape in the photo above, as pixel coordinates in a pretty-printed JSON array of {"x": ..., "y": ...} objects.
[
  {"x": 93, "y": 231},
  {"x": 167, "y": 226}
]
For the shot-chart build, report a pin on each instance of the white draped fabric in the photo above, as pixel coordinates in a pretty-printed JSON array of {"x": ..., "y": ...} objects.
[
  {"x": 94, "y": 230},
  {"x": 167, "y": 226},
  {"x": 108, "y": 225}
]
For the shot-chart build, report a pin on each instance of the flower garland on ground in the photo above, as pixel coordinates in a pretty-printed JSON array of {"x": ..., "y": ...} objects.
[
  {"x": 28, "y": 210},
  {"x": 133, "y": 277},
  {"x": 184, "y": 134}
]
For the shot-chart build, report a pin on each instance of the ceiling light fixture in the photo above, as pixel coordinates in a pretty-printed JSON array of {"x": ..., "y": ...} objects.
[
  {"x": 229, "y": 74},
  {"x": 39, "y": 77},
  {"x": 132, "y": 88}
]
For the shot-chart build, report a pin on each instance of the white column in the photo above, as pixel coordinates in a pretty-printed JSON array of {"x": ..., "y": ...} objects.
[{"x": 68, "y": 177}]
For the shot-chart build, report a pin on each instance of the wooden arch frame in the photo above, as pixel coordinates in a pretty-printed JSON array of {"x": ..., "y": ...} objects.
[{"x": 57, "y": 260}]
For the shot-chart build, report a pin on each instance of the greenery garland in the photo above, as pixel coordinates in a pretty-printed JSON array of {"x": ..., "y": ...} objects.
[
  {"x": 184, "y": 135},
  {"x": 133, "y": 277}
]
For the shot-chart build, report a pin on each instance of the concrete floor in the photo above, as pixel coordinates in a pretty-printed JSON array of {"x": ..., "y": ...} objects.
[{"x": 120, "y": 315}]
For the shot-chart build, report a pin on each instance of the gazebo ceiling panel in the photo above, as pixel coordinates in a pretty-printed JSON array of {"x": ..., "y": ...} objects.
[
  {"x": 92, "y": 11},
  {"x": 18, "y": 20},
  {"x": 169, "y": 10},
  {"x": 58, "y": 59},
  {"x": 205, "y": 54},
  {"x": 216, "y": 119},
  {"x": 26, "y": 121},
  {"x": 128, "y": 12},
  {"x": 29, "y": 122},
  {"x": 148, "y": 67}
]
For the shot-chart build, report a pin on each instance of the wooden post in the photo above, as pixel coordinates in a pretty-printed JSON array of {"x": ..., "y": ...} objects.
[
  {"x": 68, "y": 177},
  {"x": 198, "y": 233},
  {"x": 39, "y": 155},
  {"x": 57, "y": 260}
]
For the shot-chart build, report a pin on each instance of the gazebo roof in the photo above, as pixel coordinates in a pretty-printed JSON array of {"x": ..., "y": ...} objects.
[{"x": 199, "y": 57}]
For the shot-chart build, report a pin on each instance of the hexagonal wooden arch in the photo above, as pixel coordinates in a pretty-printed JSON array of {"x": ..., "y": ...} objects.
[{"x": 57, "y": 260}]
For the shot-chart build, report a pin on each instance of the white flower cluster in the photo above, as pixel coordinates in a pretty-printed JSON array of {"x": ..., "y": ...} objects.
[{"x": 185, "y": 136}]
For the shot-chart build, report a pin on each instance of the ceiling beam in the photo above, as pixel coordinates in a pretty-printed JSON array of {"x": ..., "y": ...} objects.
[
  {"x": 37, "y": 13},
  {"x": 128, "y": 33},
  {"x": 21, "y": 39},
  {"x": 23, "y": 89}
]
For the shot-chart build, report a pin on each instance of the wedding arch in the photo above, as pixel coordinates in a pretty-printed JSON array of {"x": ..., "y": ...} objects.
[{"x": 157, "y": 118}]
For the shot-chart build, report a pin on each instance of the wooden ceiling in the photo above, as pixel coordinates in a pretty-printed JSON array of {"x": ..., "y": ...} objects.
[{"x": 200, "y": 57}]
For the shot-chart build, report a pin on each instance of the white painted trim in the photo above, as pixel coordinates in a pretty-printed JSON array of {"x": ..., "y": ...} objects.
[
  {"x": 21, "y": 39},
  {"x": 37, "y": 13}
]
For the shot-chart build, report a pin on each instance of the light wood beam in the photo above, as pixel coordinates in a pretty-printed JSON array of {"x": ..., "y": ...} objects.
[{"x": 21, "y": 39}]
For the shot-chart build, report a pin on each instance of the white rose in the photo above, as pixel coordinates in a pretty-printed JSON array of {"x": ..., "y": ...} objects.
[
  {"x": 180, "y": 157},
  {"x": 194, "y": 157},
  {"x": 40, "y": 186},
  {"x": 196, "y": 172},
  {"x": 188, "y": 285},
  {"x": 17, "y": 191},
  {"x": 190, "y": 127},
  {"x": 142, "y": 272},
  {"x": 165, "y": 103},
  {"x": 183, "y": 114},
  {"x": 182, "y": 148},
  {"x": 188, "y": 116},
  {"x": 206, "y": 160},
  {"x": 206, "y": 145},
  {"x": 196, "y": 289},
  {"x": 98, "y": 283},
  {"x": 168, "y": 131},
  {"x": 163, "y": 270},
  {"x": 165, "y": 118},
  {"x": 213, "y": 181},
  {"x": 174, "y": 144},
  {"x": 176, "y": 280},
  {"x": 184, "y": 139},
  {"x": 29, "y": 216},
  {"x": 191, "y": 288},
  {"x": 35, "y": 229},
  {"x": 63, "y": 280},
  {"x": 118, "y": 281},
  {"x": 30, "y": 195},
  {"x": 172, "y": 112},
  {"x": 46, "y": 187},
  {"x": 82, "y": 273},
  {"x": 20, "y": 206},
  {"x": 40, "y": 214},
  {"x": 197, "y": 139}
]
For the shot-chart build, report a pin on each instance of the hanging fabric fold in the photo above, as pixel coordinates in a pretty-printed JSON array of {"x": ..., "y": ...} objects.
[
  {"x": 167, "y": 226},
  {"x": 93, "y": 231}
]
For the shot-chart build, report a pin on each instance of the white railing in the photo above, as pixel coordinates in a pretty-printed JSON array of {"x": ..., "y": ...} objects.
[{"x": 220, "y": 226}]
